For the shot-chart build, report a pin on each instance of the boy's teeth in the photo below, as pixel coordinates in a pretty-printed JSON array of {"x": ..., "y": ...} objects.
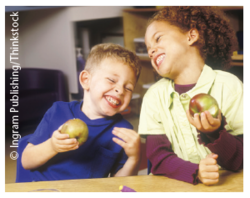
[
  {"x": 112, "y": 100},
  {"x": 160, "y": 58}
]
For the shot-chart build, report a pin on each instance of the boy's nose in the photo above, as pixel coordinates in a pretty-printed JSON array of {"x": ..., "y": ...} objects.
[{"x": 119, "y": 89}]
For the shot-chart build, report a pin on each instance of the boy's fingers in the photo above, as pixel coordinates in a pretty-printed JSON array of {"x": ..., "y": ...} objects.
[
  {"x": 125, "y": 131},
  {"x": 125, "y": 134},
  {"x": 60, "y": 128},
  {"x": 60, "y": 136},
  {"x": 68, "y": 147},
  {"x": 71, "y": 141},
  {"x": 120, "y": 142},
  {"x": 121, "y": 135}
]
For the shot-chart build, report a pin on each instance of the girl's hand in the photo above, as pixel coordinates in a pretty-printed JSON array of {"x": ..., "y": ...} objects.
[
  {"x": 131, "y": 142},
  {"x": 62, "y": 143},
  {"x": 206, "y": 122},
  {"x": 209, "y": 170}
]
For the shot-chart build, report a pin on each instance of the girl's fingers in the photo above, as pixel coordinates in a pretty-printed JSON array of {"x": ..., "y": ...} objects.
[
  {"x": 210, "y": 181},
  {"x": 212, "y": 168},
  {"x": 210, "y": 161},
  {"x": 190, "y": 118},
  {"x": 212, "y": 155},
  {"x": 197, "y": 122},
  {"x": 210, "y": 175},
  {"x": 211, "y": 120},
  {"x": 204, "y": 121}
]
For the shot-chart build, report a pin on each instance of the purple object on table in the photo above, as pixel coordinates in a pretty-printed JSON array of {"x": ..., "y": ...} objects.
[{"x": 126, "y": 189}]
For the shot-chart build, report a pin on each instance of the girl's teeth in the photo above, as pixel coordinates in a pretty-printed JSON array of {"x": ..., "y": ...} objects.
[{"x": 160, "y": 58}]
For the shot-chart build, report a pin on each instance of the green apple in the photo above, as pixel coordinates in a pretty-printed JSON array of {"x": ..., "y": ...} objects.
[
  {"x": 203, "y": 102},
  {"x": 76, "y": 128}
]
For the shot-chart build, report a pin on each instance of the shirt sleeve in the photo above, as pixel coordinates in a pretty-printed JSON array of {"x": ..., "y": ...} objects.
[
  {"x": 228, "y": 147},
  {"x": 120, "y": 163},
  {"x": 232, "y": 108},
  {"x": 42, "y": 132},
  {"x": 150, "y": 120},
  {"x": 165, "y": 162}
]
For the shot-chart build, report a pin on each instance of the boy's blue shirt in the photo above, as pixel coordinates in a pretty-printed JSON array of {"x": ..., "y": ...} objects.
[{"x": 96, "y": 158}]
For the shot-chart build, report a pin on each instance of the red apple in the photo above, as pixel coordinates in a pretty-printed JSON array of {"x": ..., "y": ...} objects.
[
  {"x": 203, "y": 102},
  {"x": 76, "y": 128}
]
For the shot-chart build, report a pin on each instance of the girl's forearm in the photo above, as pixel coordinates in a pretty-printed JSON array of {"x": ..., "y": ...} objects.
[
  {"x": 35, "y": 156},
  {"x": 229, "y": 148},
  {"x": 165, "y": 162}
]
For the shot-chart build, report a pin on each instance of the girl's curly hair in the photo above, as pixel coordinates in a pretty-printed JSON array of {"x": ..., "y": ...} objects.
[{"x": 217, "y": 40}]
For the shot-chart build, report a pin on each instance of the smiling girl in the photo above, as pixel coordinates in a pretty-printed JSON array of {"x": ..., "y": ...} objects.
[{"x": 184, "y": 43}]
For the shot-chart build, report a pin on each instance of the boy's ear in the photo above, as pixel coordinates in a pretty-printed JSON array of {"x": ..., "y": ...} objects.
[
  {"x": 193, "y": 36},
  {"x": 84, "y": 79}
]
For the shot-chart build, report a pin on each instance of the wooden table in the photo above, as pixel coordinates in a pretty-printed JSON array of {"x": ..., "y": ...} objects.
[{"x": 229, "y": 182}]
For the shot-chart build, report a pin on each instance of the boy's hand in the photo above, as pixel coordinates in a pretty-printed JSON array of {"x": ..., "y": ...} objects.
[
  {"x": 206, "y": 122},
  {"x": 62, "y": 143},
  {"x": 209, "y": 170},
  {"x": 131, "y": 142}
]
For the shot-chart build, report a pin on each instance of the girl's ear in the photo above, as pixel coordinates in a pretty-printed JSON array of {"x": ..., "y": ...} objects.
[
  {"x": 193, "y": 36},
  {"x": 84, "y": 79}
]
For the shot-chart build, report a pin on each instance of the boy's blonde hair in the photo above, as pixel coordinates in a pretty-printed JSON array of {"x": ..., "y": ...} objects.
[{"x": 109, "y": 50}]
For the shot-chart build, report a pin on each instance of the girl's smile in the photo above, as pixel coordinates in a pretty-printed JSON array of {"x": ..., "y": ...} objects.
[
  {"x": 172, "y": 52},
  {"x": 159, "y": 59}
]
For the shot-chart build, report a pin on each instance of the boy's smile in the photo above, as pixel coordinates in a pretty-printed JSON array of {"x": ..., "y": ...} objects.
[
  {"x": 110, "y": 88},
  {"x": 113, "y": 101}
]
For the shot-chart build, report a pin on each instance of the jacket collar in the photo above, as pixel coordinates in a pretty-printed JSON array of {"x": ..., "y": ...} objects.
[{"x": 203, "y": 84}]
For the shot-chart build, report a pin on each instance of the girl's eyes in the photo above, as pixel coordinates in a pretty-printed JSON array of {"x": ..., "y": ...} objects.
[{"x": 158, "y": 38}]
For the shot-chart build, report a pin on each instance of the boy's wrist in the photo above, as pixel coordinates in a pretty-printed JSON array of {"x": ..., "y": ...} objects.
[
  {"x": 52, "y": 147},
  {"x": 134, "y": 159}
]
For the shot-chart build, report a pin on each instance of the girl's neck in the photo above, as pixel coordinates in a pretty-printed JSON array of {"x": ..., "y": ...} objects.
[{"x": 190, "y": 72}]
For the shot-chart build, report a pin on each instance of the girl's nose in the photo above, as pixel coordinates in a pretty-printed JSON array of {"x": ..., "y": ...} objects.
[{"x": 151, "y": 52}]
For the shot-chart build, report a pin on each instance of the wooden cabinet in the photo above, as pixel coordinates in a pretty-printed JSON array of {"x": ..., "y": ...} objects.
[{"x": 134, "y": 26}]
